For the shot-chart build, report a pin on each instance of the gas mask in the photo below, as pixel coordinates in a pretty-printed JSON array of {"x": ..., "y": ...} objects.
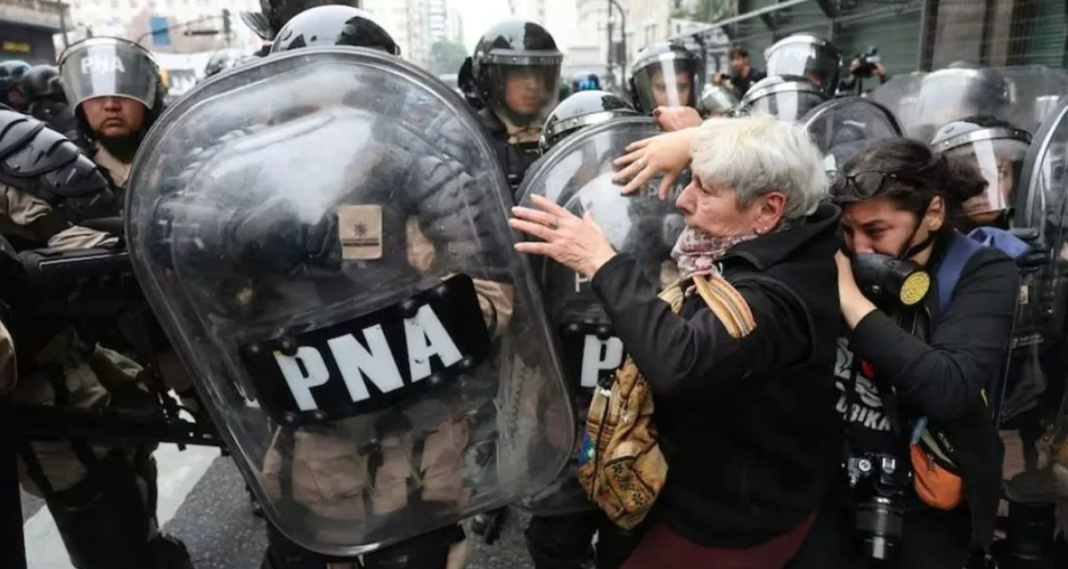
[
  {"x": 897, "y": 279},
  {"x": 885, "y": 277}
]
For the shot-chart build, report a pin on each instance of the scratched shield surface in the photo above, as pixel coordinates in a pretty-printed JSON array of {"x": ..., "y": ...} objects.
[{"x": 324, "y": 237}]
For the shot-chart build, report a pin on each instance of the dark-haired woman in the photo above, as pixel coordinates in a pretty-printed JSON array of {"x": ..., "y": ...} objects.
[{"x": 911, "y": 378}]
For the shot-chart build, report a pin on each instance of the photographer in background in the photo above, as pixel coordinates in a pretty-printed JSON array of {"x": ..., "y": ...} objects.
[
  {"x": 866, "y": 65},
  {"x": 928, "y": 315},
  {"x": 744, "y": 73}
]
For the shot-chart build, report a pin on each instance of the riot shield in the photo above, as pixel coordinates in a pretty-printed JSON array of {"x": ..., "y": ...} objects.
[
  {"x": 1041, "y": 208},
  {"x": 347, "y": 296},
  {"x": 923, "y": 102},
  {"x": 577, "y": 174},
  {"x": 844, "y": 127}
]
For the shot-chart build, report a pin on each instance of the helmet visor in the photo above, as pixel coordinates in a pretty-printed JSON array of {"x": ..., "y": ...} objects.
[
  {"x": 1000, "y": 161},
  {"x": 524, "y": 93},
  {"x": 109, "y": 70},
  {"x": 671, "y": 83},
  {"x": 786, "y": 105},
  {"x": 817, "y": 64}
]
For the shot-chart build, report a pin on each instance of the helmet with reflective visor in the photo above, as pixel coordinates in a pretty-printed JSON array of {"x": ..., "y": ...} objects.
[
  {"x": 997, "y": 150},
  {"x": 516, "y": 66},
  {"x": 786, "y": 98},
  {"x": 808, "y": 56},
  {"x": 581, "y": 110},
  {"x": 665, "y": 75},
  {"x": 109, "y": 67}
]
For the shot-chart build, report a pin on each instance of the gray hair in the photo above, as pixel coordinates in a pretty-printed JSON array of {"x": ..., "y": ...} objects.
[{"x": 758, "y": 155}]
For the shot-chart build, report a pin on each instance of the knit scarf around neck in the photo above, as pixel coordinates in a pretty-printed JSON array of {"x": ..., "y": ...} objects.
[{"x": 697, "y": 252}]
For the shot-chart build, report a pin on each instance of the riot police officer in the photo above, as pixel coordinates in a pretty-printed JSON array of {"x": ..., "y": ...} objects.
[
  {"x": 332, "y": 211},
  {"x": 785, "y": 97},
  {"x": 665, "y": 75},
  {"x": 114, "y": 87},
  {"x": 809, "y": 57},
  {"x": 564, "y": 521},
  {"x": 581, "y": 110},
  {"x": 102, "y": 496},
  {"x": 997, "y": 149},
  {"x": 11, "y": 72},
  {"x": 222, "y": 60},
  {"x": 516, "y": 67},
  {"x": 42, "y": 88},
  {"x": 345, "y": 26}
]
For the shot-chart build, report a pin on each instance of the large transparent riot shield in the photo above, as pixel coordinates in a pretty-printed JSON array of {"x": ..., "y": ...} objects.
[
  {"x": 1040, "y": 359},
  {"x": 577, "y": 174},
  {"x": 844, "y": 127},
  {"x": 347, "y": 296},
  {"x": 924, "y": 102}
]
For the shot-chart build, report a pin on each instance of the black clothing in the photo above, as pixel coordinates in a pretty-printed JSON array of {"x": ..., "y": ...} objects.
[
  {"x": 566, "y": 542},
  {"x": 515, "y": 159},
  {"x": 748, "y": 425},
  {"x": 742, "y": 84},
  {"x": 931, "y": 539},
  {"x": 944, "y": 377}
]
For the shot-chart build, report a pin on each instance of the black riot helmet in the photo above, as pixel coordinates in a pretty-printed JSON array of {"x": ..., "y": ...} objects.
[
  {"x": 224, "y": 59},
  {"x": 808, "y": 56},
  {"x": 111, "y": 67},
  {"x": 786, "y": 98},
  {"x": 665, "y": 75},
  {"x": 516, "y": 67},
  {"x": 275, "y": 14},
  {"x": 42, "y": 82},
  {"x": 11, "y": 73},
  {"x": 333, "y": 26},
  {"x": 997, "y": 150},
  {"x": 583, "y": 109}
]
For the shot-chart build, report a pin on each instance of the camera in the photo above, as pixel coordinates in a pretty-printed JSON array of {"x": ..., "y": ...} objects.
[
  {"x": 878, "y": 482},
  {"x": 866, "y": 63}
]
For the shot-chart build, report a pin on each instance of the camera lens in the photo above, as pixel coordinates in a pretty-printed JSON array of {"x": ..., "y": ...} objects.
[{"x": 879, "y": 522}]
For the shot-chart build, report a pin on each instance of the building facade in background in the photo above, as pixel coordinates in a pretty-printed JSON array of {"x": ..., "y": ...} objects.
[
  {"x": 26, "y": 30},
  {"x": 135, "y": 20}
]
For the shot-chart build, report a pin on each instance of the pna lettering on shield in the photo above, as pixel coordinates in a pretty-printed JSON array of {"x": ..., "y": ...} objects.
[
  {"x": 425, "y": 336},
  {"x": 102, "y": 64}
]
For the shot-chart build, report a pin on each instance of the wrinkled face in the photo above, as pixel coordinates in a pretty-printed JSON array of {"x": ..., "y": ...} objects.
[
  {"x": 738, "y": 63},
  {"x": 114, "y": 117},
  {"x": 524, "y": 92},
  {"x": 878, "y": 225},
  {"x": 662, "y": 92},
  {"x": 715, "y": 210}
]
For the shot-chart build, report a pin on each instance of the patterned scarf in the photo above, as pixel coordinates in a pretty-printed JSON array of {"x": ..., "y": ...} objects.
[{"x": 697, "y": 252}]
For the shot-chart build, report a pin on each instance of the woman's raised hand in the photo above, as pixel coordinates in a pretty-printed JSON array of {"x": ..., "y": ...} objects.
[{"x": 667, "y": 154}]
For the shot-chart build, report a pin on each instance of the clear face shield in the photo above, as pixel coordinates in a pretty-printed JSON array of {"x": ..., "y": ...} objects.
[
  {"x": 524, "y": 92},
  {"x": 104, "y": 67},
  {"x": 815, "y": 63},
  {"x": 785, "y": 104},
  {"x": 1000, "y": 161},
  {"x": 667, "y": 83}
]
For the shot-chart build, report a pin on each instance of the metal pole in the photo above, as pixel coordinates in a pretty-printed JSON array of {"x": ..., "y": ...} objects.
[
  {"x": 748, "y": 15},
  {"x": 622, "y": 33},
  {"x": 63, "y": 22},
  {"x": 608, "y": 65}
]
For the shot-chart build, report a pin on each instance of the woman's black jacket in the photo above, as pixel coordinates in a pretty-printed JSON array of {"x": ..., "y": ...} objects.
[
  {"x": 747, "y": 425},
  {"x": 943, "y": 377}
]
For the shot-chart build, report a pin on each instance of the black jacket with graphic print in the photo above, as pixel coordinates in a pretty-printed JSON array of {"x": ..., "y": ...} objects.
[
  {"x": 748, "y": 426},
  {"x": 943, "y": 376}
]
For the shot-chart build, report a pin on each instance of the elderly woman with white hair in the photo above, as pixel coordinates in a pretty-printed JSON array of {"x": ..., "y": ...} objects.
[{"x": 744, "y": 414}]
